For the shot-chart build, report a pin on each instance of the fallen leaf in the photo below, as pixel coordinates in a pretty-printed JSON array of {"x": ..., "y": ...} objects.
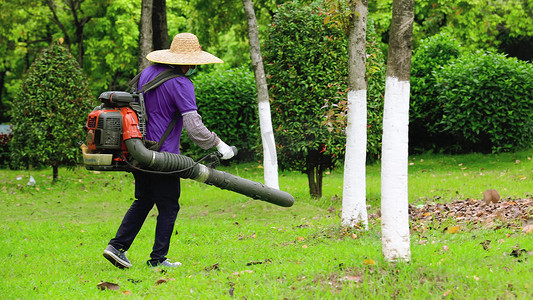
[
  {"x": 300, "y": 238},
  {"x": 213, "y": 267},
  {"x": 127, "y": 293},
  {"x": 486, "y": 244},
  {"x": 369, "y": 262},
  {"x": 108, "y": 286},
  {"x": 161, "y": 280},
  {"x": 454, "y": 229}
]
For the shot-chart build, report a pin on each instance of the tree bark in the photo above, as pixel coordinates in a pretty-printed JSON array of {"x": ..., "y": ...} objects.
[
  {"x": 159, "y": 25},
  {"x": 354, "y": 188},
  {"x": 314, "y": 177},
  {"x": 270, "y": 160},
  {"x": 394, "y": 168},
  {"x": 55, "y": 172},
  {"x": 51, "y": 4},
  {"x": 145, "y": 34}
]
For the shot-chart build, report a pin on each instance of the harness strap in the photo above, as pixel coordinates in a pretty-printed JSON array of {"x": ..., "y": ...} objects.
[{"x": 152, "y": 84}]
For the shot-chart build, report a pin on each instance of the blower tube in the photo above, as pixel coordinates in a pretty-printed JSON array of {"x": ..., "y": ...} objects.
[{"x": 169, "y": 162}]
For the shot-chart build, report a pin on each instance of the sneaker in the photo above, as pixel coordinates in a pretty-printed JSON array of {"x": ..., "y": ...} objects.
[
  {"x": 116, "y": 257},
  {"x": 166, "y": 264}
]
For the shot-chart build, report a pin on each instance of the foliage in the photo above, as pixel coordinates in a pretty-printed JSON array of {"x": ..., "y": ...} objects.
[
  {"x": 506, "y": 26},
  {"x": 487, "y": 102},
  {"x": 22, "y": 36},
  {"x": 5, "y": 137},
  {"x": 113, "y": 60},
  {"x": 335, "y": 117},
  {"x": 307, "y": 65},
  {"x": 227, "y": 102},
  {"x": 432, "y": 54},
  {"x": 305, "y": 62},
  {"x": 51, "y": 109}
]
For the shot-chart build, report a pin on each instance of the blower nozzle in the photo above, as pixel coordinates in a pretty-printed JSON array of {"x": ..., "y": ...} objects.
[{"x": 170, "y": 162}]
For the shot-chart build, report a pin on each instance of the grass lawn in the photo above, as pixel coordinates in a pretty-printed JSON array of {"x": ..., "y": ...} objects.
[{"x": 52, "y": 238}]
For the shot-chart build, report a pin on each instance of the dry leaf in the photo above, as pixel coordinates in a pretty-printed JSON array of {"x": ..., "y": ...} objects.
[
  {"x": 127, "y": 293},
  {"x": 108, "y": 286},
  {"x": 369, "y": 262},
  {"x": 300, "y": 238},
  {"x": 454, "y": 229},
  {"x": 161, "y": 280},
  {"x": 213, "y": 267}
]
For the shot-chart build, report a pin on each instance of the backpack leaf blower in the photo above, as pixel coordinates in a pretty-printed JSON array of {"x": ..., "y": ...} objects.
[{"x": 115, "y": 143}]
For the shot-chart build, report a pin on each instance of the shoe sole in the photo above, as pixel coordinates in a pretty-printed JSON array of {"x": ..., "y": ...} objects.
[{"x": 115, "y": 260}]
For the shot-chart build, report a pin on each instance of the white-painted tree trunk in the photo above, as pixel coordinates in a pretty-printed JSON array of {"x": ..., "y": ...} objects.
[
  {"x": 354, "y": 187},
  {"x": 270, "y": 159},
  {"x": 394, "y": 179}
]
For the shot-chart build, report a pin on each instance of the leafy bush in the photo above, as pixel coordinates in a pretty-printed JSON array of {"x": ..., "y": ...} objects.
[
  {"x": 227, "y": 102},
  {"x": 306, "y": 60},
  {"x": 433, "y": 53},
  {"x": 49, "y": 112},
  {"x": 5, "y": 137},
  {"x": 487, "y": 103}
]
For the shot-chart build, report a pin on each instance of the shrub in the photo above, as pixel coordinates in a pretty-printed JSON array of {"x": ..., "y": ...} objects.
[
  {"x": 49, "y": 112},
  {"x": 5, "y": 137},
  {"x": 227, "y": 102},
  {"x": 487, "y": 103},
  {"x": 432, "y": 54},
  {"x": 306, "y": 61}
]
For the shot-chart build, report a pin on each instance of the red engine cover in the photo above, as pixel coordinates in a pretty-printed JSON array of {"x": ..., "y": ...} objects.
[{"x": 124, "y": 122}]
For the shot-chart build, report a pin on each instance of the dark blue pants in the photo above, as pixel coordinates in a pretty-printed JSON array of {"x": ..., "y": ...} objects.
[{"x": 150, "y": 189}]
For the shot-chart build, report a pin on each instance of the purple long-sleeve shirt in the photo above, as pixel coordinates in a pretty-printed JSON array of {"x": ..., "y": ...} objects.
[{"x": 174, "y": 95}]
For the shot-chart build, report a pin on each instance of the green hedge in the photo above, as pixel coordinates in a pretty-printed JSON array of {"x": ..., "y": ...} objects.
[
  {"x": 487, "y": 103},
  {"x": 227, "y": 102},
  {"x": 432, "y": 54}
]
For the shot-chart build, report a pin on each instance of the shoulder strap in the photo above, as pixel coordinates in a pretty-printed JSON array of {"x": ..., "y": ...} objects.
[
  {"x": 167, "y": 132},
  {"x": 150, "y": 85},
  {"x": 156, "y": 81}
]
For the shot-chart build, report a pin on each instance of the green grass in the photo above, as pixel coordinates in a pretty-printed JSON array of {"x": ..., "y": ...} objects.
[{"x": 52, "y": 238}]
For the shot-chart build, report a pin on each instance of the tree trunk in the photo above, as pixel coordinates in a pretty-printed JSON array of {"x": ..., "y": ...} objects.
[
  {"x": 394, "y": 176},
  {"x": 145, "y": 34},
  {"x": 55, "y": 172},
  {"x": 354, "y": 187},
  {"x": 159, "y": 25},
  {"x": 314, "y": 177},
  {"x": 51, "y": 4},
  {"x": 270, "y": 159}
]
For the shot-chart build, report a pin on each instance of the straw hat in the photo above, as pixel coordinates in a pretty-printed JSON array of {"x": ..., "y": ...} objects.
[{"x": 184, "y": 50}]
